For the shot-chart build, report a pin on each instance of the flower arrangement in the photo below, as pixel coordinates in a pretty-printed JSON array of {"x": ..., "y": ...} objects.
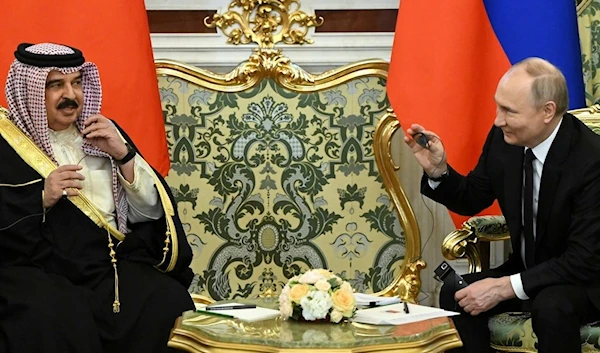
[{"x": 317, "y": 295}]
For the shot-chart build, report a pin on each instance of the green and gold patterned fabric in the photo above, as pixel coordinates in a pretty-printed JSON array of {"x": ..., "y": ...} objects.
[
  {"x": 512, "y": 332},
  {"x": 588, "y": 18},
  {"x": 270, "y": 181}
]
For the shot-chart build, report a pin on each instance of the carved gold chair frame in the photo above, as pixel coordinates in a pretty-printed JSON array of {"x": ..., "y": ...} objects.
[{"x": 266, "y": 23}]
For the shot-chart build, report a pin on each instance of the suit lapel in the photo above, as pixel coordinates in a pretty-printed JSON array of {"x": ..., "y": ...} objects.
[
  {"x": 558, "y": 153},
  {"x": 513, "y": 187}
]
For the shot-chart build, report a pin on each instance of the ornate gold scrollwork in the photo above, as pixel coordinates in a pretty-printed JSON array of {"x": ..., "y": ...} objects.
[
  {"x": 460, "y": 244},
  {"x": 269, "y": 63},
  {"x": 265, "y": 22},
  {"x": 409, "y": 285}
]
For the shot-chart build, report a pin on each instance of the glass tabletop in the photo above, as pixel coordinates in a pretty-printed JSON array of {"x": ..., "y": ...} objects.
[{"x": 293, "y": 334}]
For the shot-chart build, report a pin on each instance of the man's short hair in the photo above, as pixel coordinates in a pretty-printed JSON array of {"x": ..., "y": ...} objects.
[{"x": 549, "y": 84}]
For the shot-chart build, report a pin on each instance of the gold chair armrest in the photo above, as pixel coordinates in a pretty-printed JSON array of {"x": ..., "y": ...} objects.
[
  {"x": 201, "y": 299},
  {"x": 461, "y": 243}
]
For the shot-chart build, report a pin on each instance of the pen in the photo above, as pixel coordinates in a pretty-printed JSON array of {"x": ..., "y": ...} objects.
[
  {"x": 215, "y": 314},
  {"x": 231, "y": 307},
  {"x": 375, "y": 304},
  {"x": 406, "y": 308}
]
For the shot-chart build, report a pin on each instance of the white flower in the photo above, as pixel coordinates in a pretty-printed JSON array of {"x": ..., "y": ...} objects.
[
  {"x": 322, "y": 285},
  {"x": 336, "y": 316},
  {"x": 316, "y": 305},
  {"x": 286, "y": 290},
  {"x": 346, "y": 287},
  {"x": 310, "y": 277},
  {"x": 285, "y": 308}
]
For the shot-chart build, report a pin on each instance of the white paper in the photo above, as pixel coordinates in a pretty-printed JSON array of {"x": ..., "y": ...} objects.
[
  {"x": 394, "y": 314},
  {"x": 248, "y": 315},
  {"x": 373, "y": 300}
]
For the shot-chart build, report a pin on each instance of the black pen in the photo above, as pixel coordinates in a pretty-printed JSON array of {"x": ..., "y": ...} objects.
[
  {"x": 215, "y": 314},
  {"x": 406, "y": 308},
  {"x": 231, "y": 307}
]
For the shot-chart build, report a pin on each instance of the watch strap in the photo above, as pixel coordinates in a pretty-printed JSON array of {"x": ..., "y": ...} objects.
[
  {"x": 442, "y": 176},
  {"x": 131, "y": 152}
]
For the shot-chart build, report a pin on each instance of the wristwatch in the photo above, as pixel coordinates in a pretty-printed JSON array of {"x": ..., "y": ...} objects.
[
  {"x": 442, "y": 176},
  {"x": 131, "y": 152}
]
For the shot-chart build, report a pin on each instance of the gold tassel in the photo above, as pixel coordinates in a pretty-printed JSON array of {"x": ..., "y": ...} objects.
[
  {"x": 166, "y": 248},
  {"x": 113, "y": 260}
]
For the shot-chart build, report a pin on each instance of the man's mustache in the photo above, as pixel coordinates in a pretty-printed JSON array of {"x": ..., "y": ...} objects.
[{"x": 67, "y": 103}]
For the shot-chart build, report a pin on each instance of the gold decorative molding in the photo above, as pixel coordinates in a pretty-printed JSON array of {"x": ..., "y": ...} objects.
[
  {"x": 270, "y": 63},
  {"x": 461, "y": 243},
  {"x": 582, "y": 5},
  {"x": 265, "y": 22},
  {"x": 197, "y": 335},
  {"x": 408, "y": 285},
  {"x": 255, "y": 22}
]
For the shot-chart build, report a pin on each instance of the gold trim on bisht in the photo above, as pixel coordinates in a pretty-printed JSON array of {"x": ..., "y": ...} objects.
[
  {"x": 38, "y": 160},
  {"x": 171, "y": 231}
]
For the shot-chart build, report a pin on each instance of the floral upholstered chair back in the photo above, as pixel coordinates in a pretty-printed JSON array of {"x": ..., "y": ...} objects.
[{"x": 274, "y": 170}]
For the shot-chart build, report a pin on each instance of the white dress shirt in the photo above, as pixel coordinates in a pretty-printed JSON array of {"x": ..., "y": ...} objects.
[
  {"x": 540, "y": 152},
  {"x": 142, "y": 196}
]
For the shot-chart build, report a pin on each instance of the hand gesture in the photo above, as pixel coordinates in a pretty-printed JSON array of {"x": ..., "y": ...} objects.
[
  {"x": 103, "y": 134},
  {"x": 63, "y": 181},
  {"x": 432, "y": 158}
]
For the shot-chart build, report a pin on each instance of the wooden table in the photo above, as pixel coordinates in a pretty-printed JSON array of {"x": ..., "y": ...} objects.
[{"x": 196, "y": 332}]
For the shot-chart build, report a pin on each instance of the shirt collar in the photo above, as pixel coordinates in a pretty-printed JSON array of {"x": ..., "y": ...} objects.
[
  {"x": 69, "y": 136},
  {"x": 541, "y": 151}
]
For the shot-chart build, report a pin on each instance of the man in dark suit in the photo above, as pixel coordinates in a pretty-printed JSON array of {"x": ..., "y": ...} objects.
[{"x": 543, "y": 166}]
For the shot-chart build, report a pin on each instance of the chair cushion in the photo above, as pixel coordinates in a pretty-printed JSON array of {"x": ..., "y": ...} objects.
[{"x": 510, "y": 331}]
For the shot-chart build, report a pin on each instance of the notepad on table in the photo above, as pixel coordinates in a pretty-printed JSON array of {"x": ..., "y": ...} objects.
[
  {"x": 363, "y": 299},
  {"x": 394, "y": 314},
  {"x": 248, "y": 315}
]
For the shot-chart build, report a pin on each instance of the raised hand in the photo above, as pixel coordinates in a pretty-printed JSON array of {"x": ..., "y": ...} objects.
[
  {"x": 103, "y": 134},
  {"x": 63, "y": 181},
  {"x": 433, "y": 157}
]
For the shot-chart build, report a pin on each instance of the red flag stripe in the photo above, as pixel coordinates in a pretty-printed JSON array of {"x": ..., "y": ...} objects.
[
  {"x": 114, "y": 34},
  {"x": 446, "y": 63}
]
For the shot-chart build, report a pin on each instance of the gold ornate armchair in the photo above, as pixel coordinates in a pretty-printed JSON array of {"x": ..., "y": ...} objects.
[
  {"x": 276, "y": 170},
  {"x": 512, "y": 333}
]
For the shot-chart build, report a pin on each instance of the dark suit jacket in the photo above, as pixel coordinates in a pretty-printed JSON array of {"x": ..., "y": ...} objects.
[{"x": 567, "y": 248}]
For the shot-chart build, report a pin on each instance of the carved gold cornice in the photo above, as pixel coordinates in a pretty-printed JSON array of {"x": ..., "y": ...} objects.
[
  {"x": 265, "y": 22},
  {"x": 408, "y": 285},
  {"x": 271, "y": 64}
]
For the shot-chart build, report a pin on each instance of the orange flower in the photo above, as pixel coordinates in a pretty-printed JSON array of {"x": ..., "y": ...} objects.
[
  {"x": 343, "y": 300},
  {"x": 298, "y": 292}
]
